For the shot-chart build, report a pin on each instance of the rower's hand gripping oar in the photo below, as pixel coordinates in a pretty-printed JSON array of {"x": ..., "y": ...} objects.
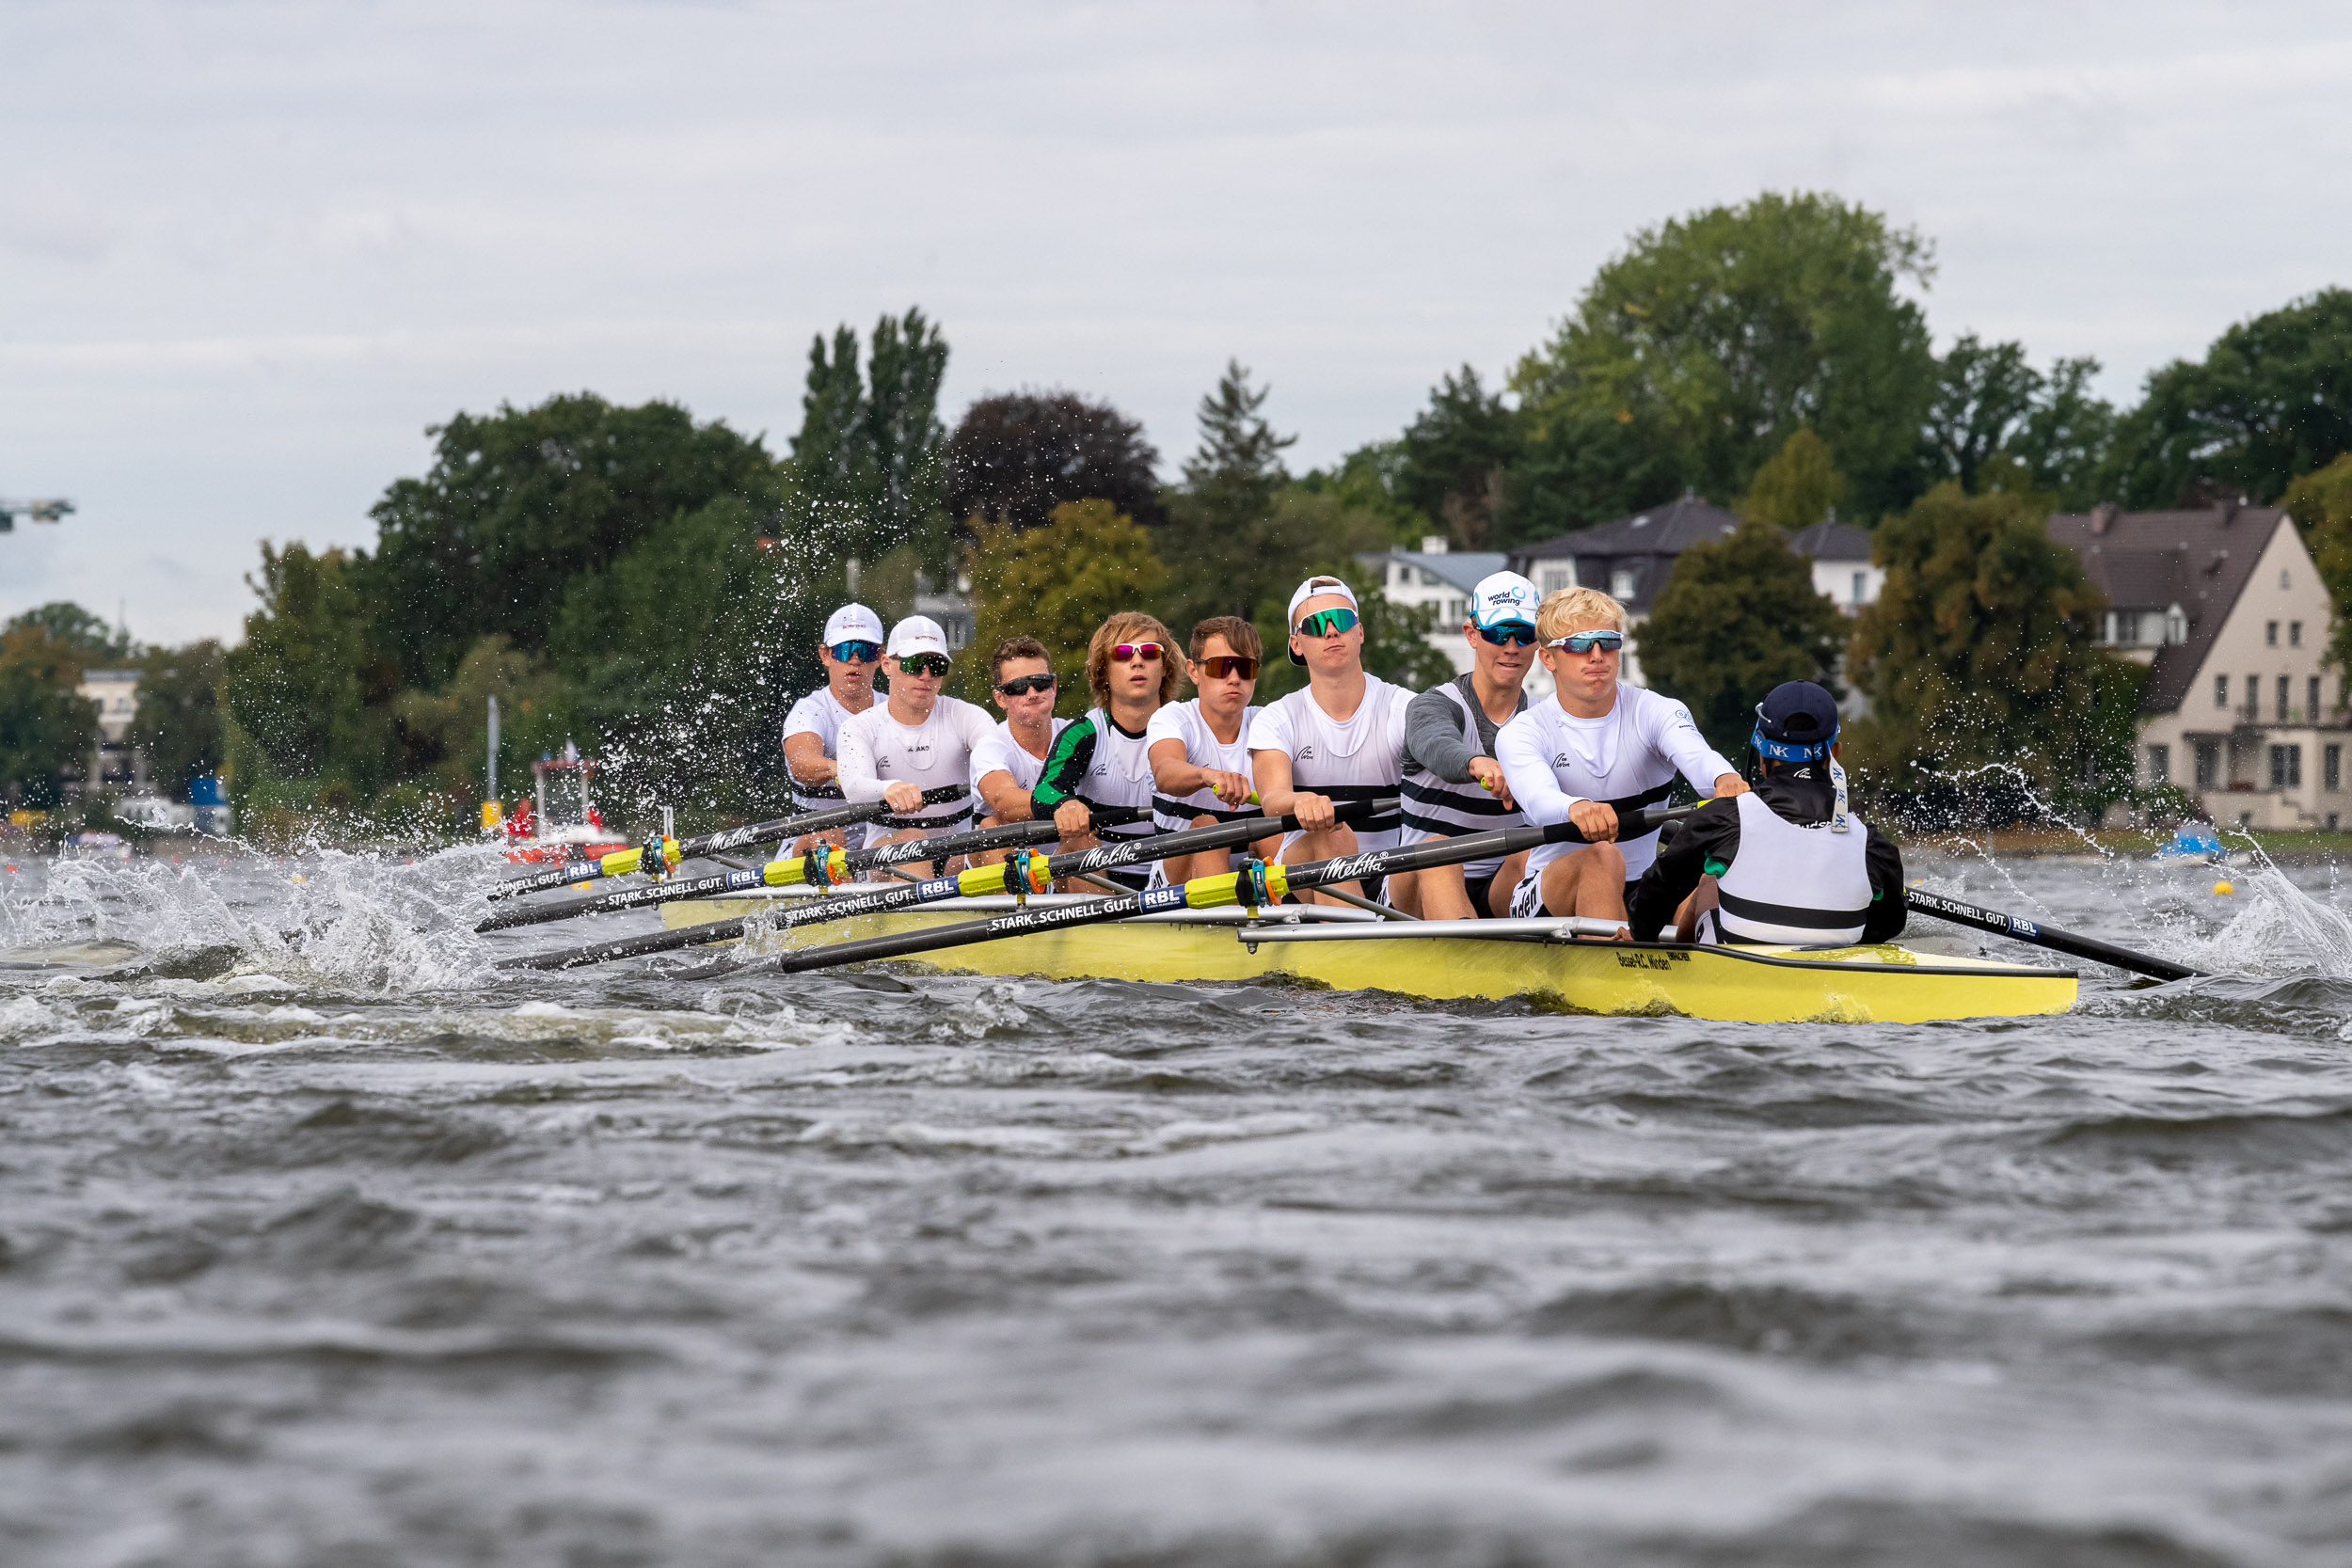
[
  {"x": 1254, "y": 886},
  {"x": 2039, "y": 935},
  {"x": 820, "y": 867},
  {"x": 1023, "y": 874}
]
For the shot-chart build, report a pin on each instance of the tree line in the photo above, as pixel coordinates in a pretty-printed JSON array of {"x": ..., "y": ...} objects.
[{"x": 651, "y": 585}]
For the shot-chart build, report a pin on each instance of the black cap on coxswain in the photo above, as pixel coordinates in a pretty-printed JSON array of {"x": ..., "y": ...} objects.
[{"x": 1797, "y": 723}]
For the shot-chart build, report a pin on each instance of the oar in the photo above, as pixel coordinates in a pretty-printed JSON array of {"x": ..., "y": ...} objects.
[
  {"x": 823, "y": 867},
  {"x": 622, "y": 862},
  {"x": 1255, "y": 887},
  {"x": 1017, "y": 875},
  {"x": 2039, "y": 935}
]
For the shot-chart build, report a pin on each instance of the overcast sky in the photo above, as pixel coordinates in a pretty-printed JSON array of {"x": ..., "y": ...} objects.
[{"x": 249, "y": 252}]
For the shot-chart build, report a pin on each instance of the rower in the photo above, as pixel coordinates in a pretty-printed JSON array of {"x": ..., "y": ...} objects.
[
  {"x": 1200, "y": 750},
  {"x": 913, "y": 751},
  {"x": 850, "y": 651},
  {"x": 1339, "y": 739},
  {"x": 1599, "y": 748},
  {"x": 1103, "y": 759},
  {"x": 1786, "y": 864},
  {"x": 1008, "y": 760},
  {"x": 1452, "y": 784}
]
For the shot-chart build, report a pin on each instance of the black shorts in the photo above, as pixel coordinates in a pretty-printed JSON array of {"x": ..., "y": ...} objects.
[{"x": 1478, "y": 887}]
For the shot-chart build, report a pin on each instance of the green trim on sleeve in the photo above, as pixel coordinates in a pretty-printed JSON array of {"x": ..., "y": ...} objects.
[{"x": 1065, "y": 765}]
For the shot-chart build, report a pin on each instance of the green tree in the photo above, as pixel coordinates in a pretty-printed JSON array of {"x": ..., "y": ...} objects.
[
  {"x": 308, "y": 686},
  {"x": 1223, "y": 530},
  {"x": 91, "y": 639},
  {"x": 2321, "y": 504},
  {"x": 536, "y": 718},
  {"x": 46, "y": 727},
  {"x": 867, "y": 464},
  {"x": 1739, "y": 616},
  {"x": 1990, "y": 402},
  {"x": 1701, "y": 348},
  {"x": 1797, "y": 488},
  {"x": 178, "y": 719},
  {"x": 1371, "y": 480},
  {"x": 681, "y": 659},
  {"x": 518, "y": 503},
  {"x": 1988, "y": 690},
  {"x": 1057, "y": 583},
  {"x": 1454, "y": 457},
  {"x": 2272, "y": 399}
]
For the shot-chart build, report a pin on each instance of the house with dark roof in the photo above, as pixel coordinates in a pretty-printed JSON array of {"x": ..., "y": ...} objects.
[
  {"x": 1842, "y": 570},
  {"x": 2225, "y": 607},
  {"x": 1439, "y": 578}
]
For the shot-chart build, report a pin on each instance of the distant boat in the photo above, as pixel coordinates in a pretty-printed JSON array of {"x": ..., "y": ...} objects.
[
  {"x": 560, "y": 821},
  {"x": 96, "y": 846}
]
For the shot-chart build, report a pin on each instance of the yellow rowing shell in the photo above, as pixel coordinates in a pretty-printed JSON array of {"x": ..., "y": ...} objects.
[{"x": 1884, "y": 984}]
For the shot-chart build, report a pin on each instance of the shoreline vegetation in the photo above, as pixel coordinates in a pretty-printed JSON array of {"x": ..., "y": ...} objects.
[{"x": 650, "y": 585}]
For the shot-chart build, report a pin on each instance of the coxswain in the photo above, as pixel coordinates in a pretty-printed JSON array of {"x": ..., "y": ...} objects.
[
  {"x": 1452, "y": 784},
  {"x": 1199, "y": 749},
  {"x": 1600, "y": 748},
  {"x": 1786, "y": 864},
  {"x": 850, "y": 651},
  {"x": 1103, "y": 759},
  {"x": 1007, "y": 762},
  {"x": 1337, "y": 740},
  {"x": 914, "y": 751}
]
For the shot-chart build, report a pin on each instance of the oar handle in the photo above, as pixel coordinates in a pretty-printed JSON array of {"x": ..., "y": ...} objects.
[{"x": 2039, "y": 935}]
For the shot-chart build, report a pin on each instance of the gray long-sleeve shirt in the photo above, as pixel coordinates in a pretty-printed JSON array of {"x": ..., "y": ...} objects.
[{"x": 1433, "y": 732}]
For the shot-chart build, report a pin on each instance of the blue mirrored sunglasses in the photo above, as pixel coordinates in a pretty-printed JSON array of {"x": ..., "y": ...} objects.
[
  {"x": 1585, "y": 642},
  {"x": 856, "y": 652},
  {"x": 1517, "y": 632},
  {"x": 1323, "y": 623}
]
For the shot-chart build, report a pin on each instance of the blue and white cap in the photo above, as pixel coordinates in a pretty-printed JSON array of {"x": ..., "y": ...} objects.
[
  {"x": 1502, "y": 600},
  {"x": 1795, "y": 723}
]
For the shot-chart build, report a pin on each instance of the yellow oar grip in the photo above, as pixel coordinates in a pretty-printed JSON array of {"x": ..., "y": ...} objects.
[
  {"x": 794, "y": 871},
  {"x": 980, "y": 880},
  {"x": 1212, "y": 892},
  {"x": 620, "y": 863}
]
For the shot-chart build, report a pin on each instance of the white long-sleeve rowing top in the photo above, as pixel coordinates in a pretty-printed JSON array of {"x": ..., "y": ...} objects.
[
  {"x": 935, "y": 756},
  {"x": 1630, "y": 754}
]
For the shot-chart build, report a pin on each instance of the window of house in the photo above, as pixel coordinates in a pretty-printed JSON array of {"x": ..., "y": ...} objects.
[
  {"x": 2176, "y": 626},
  {"x": 2221, "y": 691},
  {"x": 2282, "y": 576},
  {"x": 1862, "y": 588},
  {"x": 2208, "y": 764},
  {"x": 2294, "y": 634},
  {"x": 2159, "y": 765},
  {"x": 2253, "y": 698},
  {"x": 2311, "y": 713},
  {"x": 2331, "y": 768},
  {"x": 1556, "y": 578},
  {"x": 2287, "y": 768},
  {"x": 2270, "y": 633},
  {"x": 2286, "y": 684},
  {"x": 1621, "y": 582}
]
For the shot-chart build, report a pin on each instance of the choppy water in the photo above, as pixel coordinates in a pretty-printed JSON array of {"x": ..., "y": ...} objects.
[{"x": 323, "y": 1242}]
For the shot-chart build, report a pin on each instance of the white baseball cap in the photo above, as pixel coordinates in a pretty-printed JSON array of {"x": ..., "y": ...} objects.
[
  {"x": 1315, "y": 588},
  {"x": 853, "y": 623},
  {"x": 1501, "y": 598},
  {"x": 916, "y": 634}
]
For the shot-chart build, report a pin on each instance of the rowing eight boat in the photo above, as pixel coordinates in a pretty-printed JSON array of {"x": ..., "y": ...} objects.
[{"x": 1350, "y": 951}]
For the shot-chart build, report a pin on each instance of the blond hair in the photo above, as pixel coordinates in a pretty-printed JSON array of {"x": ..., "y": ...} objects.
[
  {"x": 1130, "y": 626},
  {"x": 1577, "y": 607}
]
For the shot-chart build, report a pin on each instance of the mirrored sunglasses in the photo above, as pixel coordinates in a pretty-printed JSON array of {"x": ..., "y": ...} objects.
[
  {"x": 1323, "y": 623},
  {"x": 1516, "y": 632},
  {"x": 1148, "y": 652},
  {"x": 856, "y": 652},
  {"x": 1585, "y": 642},
  {"x": 1021, "y": 686},
  {"x": 1218, "y": 666},
  {"x": 923, "y": 664}
]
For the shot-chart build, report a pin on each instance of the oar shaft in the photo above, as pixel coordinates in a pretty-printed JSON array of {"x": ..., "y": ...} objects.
[
  {"x": 1207, "y": 892},
  {"x": 2039, "y": 935},
  {"x": 978, "y": 881}
]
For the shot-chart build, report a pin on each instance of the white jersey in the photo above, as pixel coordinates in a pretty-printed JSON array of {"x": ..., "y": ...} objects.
[
  {"x": 1183, "y": 723},
  {"x": 819, "y": 714},
  {"x": 1363, "y": 759},
  {"x": 1436, "y": 807},
  {"x": 935, "y": 756},
  {"x": 999, "y": 751},
  {"x": 1628, "y": 757},
  {"x": 1800, "y": 884}
]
